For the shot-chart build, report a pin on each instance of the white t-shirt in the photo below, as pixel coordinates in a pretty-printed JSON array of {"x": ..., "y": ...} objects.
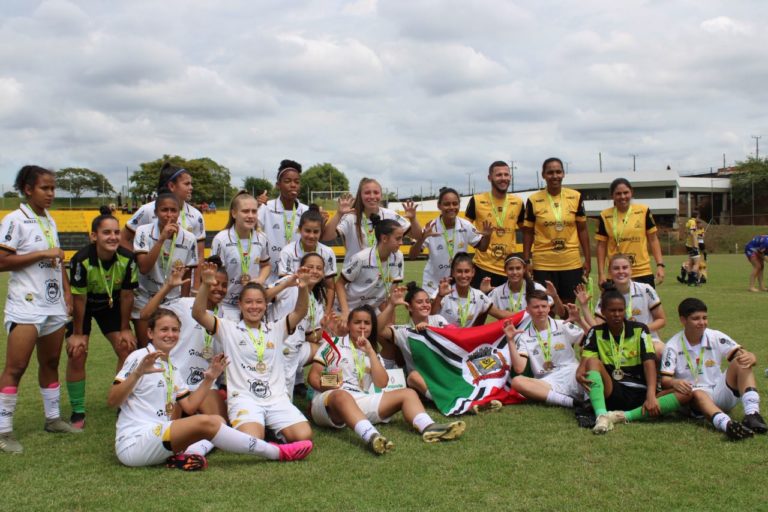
[
  {"x": 438, "y": 265},
  {"x": 290, "y": 258},
  {"x": 564, "y": 336},
  {"x": 36, "y": 287},
  {"x": 230, "y": 248},
  {"x": 400, "y": 335},
  {"x": 273, "y": 220},
  {"x": 477, "y": 303},
  {"x": 643, "y": 299},
  {"x": 190, "y": 219},
  {"x": 187, "y": 355},
  {"x": 327, "y": 357},
  {"x": 243, "y": 376},
  {"x": 365, "y": 284},
  {"x": 356, "y": 239},
  {"x": 146, "y": 238},
  {"x": 501, "y": 294},
  {"x": 714, "y": 348},
  {"x": 145, "y": 405}
]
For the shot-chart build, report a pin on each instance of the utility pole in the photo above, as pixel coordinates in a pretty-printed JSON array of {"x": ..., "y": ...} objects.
[
  {"x": 512, "y": 175},
  {"x": 757, "y": 145},
  {"x": 469, "y": 185},
  {"x": 600, "y": 160},
  {"x": 634, "y": 162}
]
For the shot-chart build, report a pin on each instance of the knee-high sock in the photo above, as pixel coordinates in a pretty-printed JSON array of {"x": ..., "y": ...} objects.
[
  {"x": 597, "y": 392},
  {"x": 231, "y": 440},
  {"x": 76, "y": 391},
  {"x": 667, "y": 404}
]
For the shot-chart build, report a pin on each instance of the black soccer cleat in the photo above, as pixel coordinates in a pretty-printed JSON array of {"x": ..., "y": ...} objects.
[
  {"x": 737, "y": 432},
  {"x": 755, "y": 423}
]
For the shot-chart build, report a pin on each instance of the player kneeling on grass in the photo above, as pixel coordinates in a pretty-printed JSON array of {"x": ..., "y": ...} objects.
[
  {"x": 343, "y": 374},
  {"x": 149, "y": 392},
  {"x": 548, "y": 345},
  {"x": 618, "y": 369},
  {"x": 691, "y": 365}
]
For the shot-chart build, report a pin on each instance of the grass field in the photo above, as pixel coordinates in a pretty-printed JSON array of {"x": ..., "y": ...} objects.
[{"x": 526, "y": 457}]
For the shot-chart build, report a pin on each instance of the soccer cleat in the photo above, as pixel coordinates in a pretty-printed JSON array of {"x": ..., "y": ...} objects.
[
  {"x": 617, "y": 417},
  {"x": 755, "y": 423},
  {"x": 380, "y": 444},
  {"x": 187, "y": 462},
  {"x": 443, "y": 431},
  {"x": 602, "y": 425},
  {"x": 736, "y": 431},
  {"x": 9, "y": 444},
  {"x": 492, "y": 406},
  {"x": 294, "y": 451},
  {"x": 59, "y": 426},
  {"x": 77, "y": 420}
]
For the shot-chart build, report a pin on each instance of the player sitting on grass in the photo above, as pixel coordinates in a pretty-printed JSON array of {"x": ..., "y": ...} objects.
[
  {"x": 343, "y": 373},
  {"x": 618, "y": 369},
  {"x": 691, "y": 365}
]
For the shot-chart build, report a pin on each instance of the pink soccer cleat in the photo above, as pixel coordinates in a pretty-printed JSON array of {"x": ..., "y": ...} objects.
[{"x": 295, "y": 451}]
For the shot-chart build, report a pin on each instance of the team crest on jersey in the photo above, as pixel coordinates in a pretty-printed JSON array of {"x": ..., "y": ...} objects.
[
  {"x": 559, "y": 346},
  {"x": 52, "y": 291},
  {"x": 259, "y": 388},
  {"x": 558, "y": 244},
  {"x": 195, "y": 376},
  {"x": 709, "y": 363},
  {"x": 486, "y": 363}
]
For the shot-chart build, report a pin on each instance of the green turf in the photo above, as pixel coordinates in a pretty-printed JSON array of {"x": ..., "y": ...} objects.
[{"x": 526, "y": 457}]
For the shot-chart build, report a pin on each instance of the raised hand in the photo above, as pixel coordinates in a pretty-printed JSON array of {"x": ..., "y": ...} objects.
[
  {"x": 262, "y": 198},
  {"x": 176, "y": 277},
  {"x": 397, "y": 296},
  {"x": 410, "y": 209},
  {"x": 581, "y": 294},
  {"x": 573, "y": 312},
  {"x": 510, "y": 330},
  {"x": 216, "y": 367},
  {"x": 430, "y": 230},
  {"x": 302, "y": 277},
  {"x": 344, "y": 204},
  {"x": 147, "y": 364},
  {"x": 444, "y": 288},
  {"x": 487, "y": 228},
  {"x": 208, "y": 272},
  {"x": 485, "y": 285}
]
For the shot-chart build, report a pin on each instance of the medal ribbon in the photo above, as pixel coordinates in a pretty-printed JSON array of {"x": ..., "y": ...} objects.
[
  {"x": 495, "y": 211},
  {"x": 207, "y": 338},
  {"x": 359, "y": 362},
  {"x": 166, "y": 259},
  {"x": 698, "y": 368},
  {"x": 616, "y": 233},
  {"x": 47, "y": 231},
  {"x": 616, "y": 354},
  {"x": 184, "y": 217},
  {"x": 168, "y": 378},
  {"x": 557, "y": 212},
  {"x": 545, "y": 346},
  {"x": 463, "y": 309},
  {"x": 385, "y": 277},
  {"x": 245, "y": 258},
  {"x": 109, "y": 284},
  {"x": 591, "y": 292},
  {"x": 517, "y": 305},
  {"x": 288, "y": 226},
  {"x": 450, "y": 244},
  {"x": 259, "y": 344},
  {"x": 370, "y": 233}
]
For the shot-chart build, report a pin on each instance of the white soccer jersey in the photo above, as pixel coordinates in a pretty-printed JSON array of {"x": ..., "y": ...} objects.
[
  {"x": 273, "y": 220},
  {"x": 438, "y": 265},
  {"x": 290, "y": 258},
  {"x": 500, "y": 296},
  {"x": 243, "y": 376},
  {"x": 187, "y": 355},
  {"x": 643, "y": 299},
  {"x": 365, "y": 284},
  {"x": 230, "y": 248},
  {"x": 285, "y": 303},
  {"x": 355, "y": 240},
  {"x": 190, "y": 219},
  {"x": 564, "y": 336},
  {"x": 38, "y": 286},
  {"x": 328, "y": 357},
  {"x": 185, "y": 251},
  {"x": 145, "y": 405},
  {"x": 475, "y": 303},
  {"x": 400, "y": 335},
  {"x": 707, "y": 357}
]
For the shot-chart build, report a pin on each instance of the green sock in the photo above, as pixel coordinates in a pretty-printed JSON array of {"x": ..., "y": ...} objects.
[
  {"x": 596, "y": 392},
  {"x": 76, "y": 392},
  {"x": 667, "y": 403}
]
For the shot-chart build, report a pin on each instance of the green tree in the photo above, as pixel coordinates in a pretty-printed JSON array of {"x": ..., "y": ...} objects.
[
  {"x": 10, "y": 193},
  {"x": 256, "y": 185},
  {"x": 77, "y": 180},
  {"x": 211, "y": 181},
  {"x": 322, "y": 177},
  {"x": 751, "y": 173}
]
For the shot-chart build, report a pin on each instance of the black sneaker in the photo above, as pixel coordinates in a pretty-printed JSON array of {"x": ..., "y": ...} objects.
[
  {"x": 755, "y": 423},
  {"x": 187, "y": 462},
  {"x": 585, "y": 415},
  {"x": 736, "y": 431},
  {"x": 680, "y": 280}
]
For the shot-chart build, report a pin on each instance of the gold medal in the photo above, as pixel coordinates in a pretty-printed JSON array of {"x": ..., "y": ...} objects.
[
  {"x": 618, "y": 374},
  {"x": 548, "y": 365},
  {"x": 559, "y": 226},
  {"x": 261, "y": 367},
  {"x": 111, "y": 303},
  {"x": 313, "y": 336},
  {"x": 245, "y": 279},
  {"x": 207, "y": 353},
  {"x": 500, "y": 231},
  {"x": 169, "y": 408}
]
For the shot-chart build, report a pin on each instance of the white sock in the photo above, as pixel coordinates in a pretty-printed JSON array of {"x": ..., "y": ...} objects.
[
  {"x": 721, "y": 421},
  {"x": 365, "y": 430},
  {"x": 555, "y": 398},
  {"x": 202, "y": 447},
  {"x": 7, "y": 408},
  {"x": 389, "y": 364},
  {"x": 422, "y": 421},
  {"x": 231, "y": 440},
  {"x": 51, "y": 402},
  {"x": 751, "y": 401}
]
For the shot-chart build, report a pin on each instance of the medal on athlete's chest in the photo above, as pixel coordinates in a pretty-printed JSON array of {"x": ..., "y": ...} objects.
[
  {"x": 169, "y": 408},
  {"x": 618, "y": 374},
  {"x": 245, "y": 279},
  {"x": 207, "y": 353},
  {"x": 261, "y": 367},
  {"x": 559, "y": 226},
  {"x": 548, "y": 366}
]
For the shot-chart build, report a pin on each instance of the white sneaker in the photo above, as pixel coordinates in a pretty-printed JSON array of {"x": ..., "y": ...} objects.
[{"x": 603, "y": 424}]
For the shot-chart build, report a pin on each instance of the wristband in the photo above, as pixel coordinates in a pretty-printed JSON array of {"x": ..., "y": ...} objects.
[{"x": 661, "y": 265}]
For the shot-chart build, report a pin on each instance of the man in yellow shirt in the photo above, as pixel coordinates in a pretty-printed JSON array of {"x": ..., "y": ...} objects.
[
  {"x": 505, "y": 212},
  {"x": 692, "y": 246}
]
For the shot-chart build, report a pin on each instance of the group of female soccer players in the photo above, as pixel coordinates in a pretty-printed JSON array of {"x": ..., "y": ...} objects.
[{"x": 218, "y": 367}]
